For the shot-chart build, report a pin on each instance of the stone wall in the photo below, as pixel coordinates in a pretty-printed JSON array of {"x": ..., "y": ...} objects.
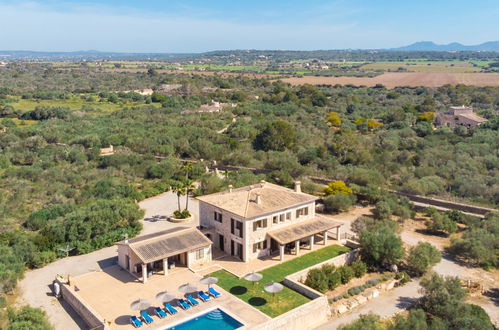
[
  {"x": 343, "y": 259},
  {"x": 446, "y": 204},
  {"x": 307, "y": 316},
  {"x": 91, "y": 318}
]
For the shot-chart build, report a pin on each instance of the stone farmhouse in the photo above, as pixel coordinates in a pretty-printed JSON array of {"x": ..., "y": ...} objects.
[
  {"x": 456, "y": 116},
  {"x": 263, "y": 219}
]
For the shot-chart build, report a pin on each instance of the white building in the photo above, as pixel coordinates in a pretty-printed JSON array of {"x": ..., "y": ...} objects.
[{"x": 263, "y": 219}]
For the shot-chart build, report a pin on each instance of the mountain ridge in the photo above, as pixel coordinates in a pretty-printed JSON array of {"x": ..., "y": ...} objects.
[{"x": 489, "y": 46}]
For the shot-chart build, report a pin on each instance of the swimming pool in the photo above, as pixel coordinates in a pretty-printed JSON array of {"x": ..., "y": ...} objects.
[{"x": 214, "y": 319}]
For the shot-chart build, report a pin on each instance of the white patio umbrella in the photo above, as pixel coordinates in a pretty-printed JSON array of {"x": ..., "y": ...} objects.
[
  {"x": 187, "y": 288},
  {"x": 208, "y": 280},
  {"x": 273, "y": 288},
  {"x": 140, "y": 305},
  {"x": 253, "y": 277},
  {"x": 165, "y": 296}
]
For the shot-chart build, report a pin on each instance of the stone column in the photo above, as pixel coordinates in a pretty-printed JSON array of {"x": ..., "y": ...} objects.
[
  {"x": 144, "y": 273},
  {"x": 325, "y": 237},
  {"x": 338, "y": 233},
  {"x": 281, "y": 251},
  {"x": 165, "y": 266},
  {"x": 297, "y": 247},
  {"x": 312, "y": 242}
]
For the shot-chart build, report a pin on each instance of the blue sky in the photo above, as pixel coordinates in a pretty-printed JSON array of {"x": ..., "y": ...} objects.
[{"x": 196, "y": 26}]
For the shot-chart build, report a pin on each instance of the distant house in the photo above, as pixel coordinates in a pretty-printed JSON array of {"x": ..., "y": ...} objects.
[
  {"x": 263, "y": 219},
  {"x": 106, "y": 151},
  {"x": 463, "y": 116}
]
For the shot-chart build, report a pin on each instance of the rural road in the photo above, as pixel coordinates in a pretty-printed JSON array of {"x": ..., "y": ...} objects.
[{"x": 34, "y": 289}]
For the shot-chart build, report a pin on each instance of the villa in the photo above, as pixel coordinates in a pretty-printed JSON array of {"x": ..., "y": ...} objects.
[{"x": 263, "y": 219}]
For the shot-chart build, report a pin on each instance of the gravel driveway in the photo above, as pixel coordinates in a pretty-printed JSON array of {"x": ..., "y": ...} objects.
[{"x": 34, "y": 289}]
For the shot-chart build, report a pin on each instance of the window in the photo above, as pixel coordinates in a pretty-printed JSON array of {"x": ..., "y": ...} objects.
[
  {"x": 218, "y": 216},
  {"x": 236, "y": 227},
  {"x": 259, "y": 246},
  {"x": 288, "y": 216},
  {"x": 199, "y": 254},
  {"x": 259, "y": 224},
  {"x": 281, "y": 217},
  {"x": 301, "y": 212},
  {"x": 275, "y": 219}
]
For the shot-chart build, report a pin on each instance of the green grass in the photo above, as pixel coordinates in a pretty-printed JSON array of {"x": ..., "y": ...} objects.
[
  {"x": 73, "y": 104},
  {"x": 287, "y": 299}
]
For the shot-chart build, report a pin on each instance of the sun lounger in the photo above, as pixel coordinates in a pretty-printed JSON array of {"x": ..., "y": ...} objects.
[
  {"x": 146, "y": 317},
  {"x": 192, "y": 301},
  {"x": 184, "y": 304},
  {"x": 172, "y": 310},
  {"x": 214, "y": 293},
  {"x": 135, "y": 321},
  {"x": 203, "y": 296},
  {"x": 161, "y": 313}
]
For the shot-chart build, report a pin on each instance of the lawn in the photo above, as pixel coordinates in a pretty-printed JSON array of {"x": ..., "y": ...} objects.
[{"x": 287, "y": 299}]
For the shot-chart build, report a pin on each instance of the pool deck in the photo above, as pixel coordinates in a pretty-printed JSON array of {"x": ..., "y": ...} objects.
[{"x": 111, "y": 291}]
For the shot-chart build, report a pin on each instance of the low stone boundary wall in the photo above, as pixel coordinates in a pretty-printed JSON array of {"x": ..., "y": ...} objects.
[
  {"x": 91, "y": 318},
  {"x": 446, "y": 204},
  {"x": 307, "y": 316},
  {"x": 342, "y": 259},
  {"x": 362, "y": 298}
]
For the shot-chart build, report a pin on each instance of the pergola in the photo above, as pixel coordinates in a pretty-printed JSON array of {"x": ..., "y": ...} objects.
[{"x": 304, "y": 230}]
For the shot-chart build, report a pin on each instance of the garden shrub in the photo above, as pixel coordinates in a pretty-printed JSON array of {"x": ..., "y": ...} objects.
[
  {"x": 359, "y": 268},
  {"x": 347, "y": 274},
  {"x": 317, "y": 280}
]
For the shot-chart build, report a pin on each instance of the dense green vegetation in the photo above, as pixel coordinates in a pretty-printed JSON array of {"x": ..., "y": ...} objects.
[
  {"x": 59, "y": 196},
  {"x": 479, "y": 243}
]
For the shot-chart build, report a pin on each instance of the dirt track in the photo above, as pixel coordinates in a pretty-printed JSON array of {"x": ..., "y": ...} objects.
[{"x": 412, "y": 79}]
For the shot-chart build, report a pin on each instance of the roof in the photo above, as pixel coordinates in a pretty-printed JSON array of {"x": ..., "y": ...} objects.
[
  {"x": 166, "y": 243},
  {"x": 303, "y": 229},
  {"x": 472, "y": 116},
  {"x": 243, "y": 201}
]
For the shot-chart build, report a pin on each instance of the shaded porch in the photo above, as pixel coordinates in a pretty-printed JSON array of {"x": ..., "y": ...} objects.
[{"x": 305, "y": 234}]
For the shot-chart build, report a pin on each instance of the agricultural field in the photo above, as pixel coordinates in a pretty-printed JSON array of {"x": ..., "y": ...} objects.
[
  {"x": 424, "y": 66},
  {"x": 397, "y": 79}
]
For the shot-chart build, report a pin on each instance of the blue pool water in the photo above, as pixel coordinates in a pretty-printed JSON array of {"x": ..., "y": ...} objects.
[{"x": 215, "y": 319}]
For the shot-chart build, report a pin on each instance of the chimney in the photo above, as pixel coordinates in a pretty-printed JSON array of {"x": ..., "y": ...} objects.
[
  {"x": 258, "y": 198},
  {"x": 230, "y": 188},
  {"x": 298, "y": 186}
]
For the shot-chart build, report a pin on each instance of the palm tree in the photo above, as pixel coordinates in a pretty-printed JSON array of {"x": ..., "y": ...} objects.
[
  {"x": 179, "y": 189},
  {"x": 187, "y": 168},
  {"x": 189, "y": 187}
]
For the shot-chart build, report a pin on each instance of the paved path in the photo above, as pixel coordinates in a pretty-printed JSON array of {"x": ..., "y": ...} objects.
[
  {"x": 386, "y": 305},
  {"x": 34, "y": 289}
]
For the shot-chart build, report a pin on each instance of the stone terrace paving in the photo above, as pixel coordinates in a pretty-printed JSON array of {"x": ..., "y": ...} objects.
[{"x": 111, "y": 291}]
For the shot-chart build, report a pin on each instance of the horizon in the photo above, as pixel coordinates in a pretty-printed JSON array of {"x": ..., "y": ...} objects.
[
  {"x": 130, "y": 27},
  {"x": 256, "y": 50}
]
